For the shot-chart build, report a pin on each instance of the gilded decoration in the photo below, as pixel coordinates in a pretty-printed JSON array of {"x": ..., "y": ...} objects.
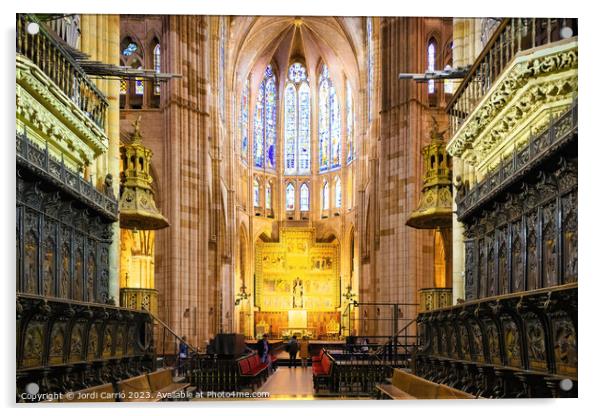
[
  {"x": 52, "y": 117},
  {"x": 297, "y": 273},
  {"x": 537, "y": 86}
]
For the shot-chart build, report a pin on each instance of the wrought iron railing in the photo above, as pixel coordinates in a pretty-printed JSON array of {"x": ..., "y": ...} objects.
[
  {"x": 51, "y": 57},
  {"x": 559, "y": 131},
  {"x": 512, "y": 36},
  {"x": 42, "y": 162}
]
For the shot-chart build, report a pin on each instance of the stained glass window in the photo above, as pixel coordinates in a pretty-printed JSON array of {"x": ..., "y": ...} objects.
[
  {"x": 297, "y": 115},
  {"x": 297, "y": 73},
  {"x": 323, "y": 126},
  {"x": 325, "y": 197},
  {"x": 268, "y": 196},
  {"x": 335, "y": 130},
  {"x": 264, "y": 138},
  {"x": 290, "y": 129},
  {"x": 329, "y": 124},
  {"x": 304, "y": 197},
  {"x": 258, "y": 126},
  {"x": 304, "y": 129},
  {"x": 370, "y": 65},
  {"x": 139, "y": 90},
  {"x": 270, "y": 122},
  {"x": 290, "y": 197},
  {"x": 130, "y": 49},
  {"x": 123, "y": 87},
  {"x": 256, "y": 195},
  {"x": 350, "y": 120},
  {"x": 431, "y": 65},
  {"x": 244, "y": 121},
  {"x": 157, "y": 63},
  {"x": 338, "y": 199}
]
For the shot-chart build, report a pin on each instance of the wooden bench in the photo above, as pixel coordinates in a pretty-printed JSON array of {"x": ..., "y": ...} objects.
[
  {"x": 137, "y": 389},
  {"x": 406, "y": 386},
  {"x": 101, "y": 393},
  {"x": 161, "y": 382},
  {"x": 251, "y": 370},
  {"x": 321, "y": 367}
]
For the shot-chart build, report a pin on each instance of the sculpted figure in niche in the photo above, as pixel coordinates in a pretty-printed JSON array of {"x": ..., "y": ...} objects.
[
  {"x": 298, "y": 293},
  {"x": 536, "y": 342}
]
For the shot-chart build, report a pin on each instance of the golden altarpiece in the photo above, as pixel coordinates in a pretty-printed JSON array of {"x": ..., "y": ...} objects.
[{"x": 297, "y": 286}]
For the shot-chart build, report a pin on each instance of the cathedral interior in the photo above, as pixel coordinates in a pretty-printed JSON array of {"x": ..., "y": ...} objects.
[{"x": 398, "y": 194}]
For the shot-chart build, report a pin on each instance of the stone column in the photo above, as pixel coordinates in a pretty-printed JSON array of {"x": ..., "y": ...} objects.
[{"x": 182, "y": 279}]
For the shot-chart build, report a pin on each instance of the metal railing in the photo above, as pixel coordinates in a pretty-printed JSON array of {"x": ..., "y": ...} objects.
[
  {"x": 46, "y": 52},
  {"x": 512, "y": 36},
  {"x": 167, "y": 349}
]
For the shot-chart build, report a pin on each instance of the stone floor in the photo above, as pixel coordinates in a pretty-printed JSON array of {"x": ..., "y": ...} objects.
[{"x": 290, "y": 383}]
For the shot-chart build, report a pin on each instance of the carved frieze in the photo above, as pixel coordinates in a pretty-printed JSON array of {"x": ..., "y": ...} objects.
[{"x": 533, "y": 84}]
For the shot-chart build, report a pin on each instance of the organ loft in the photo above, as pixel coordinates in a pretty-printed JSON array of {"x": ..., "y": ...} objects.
[{"x": 398, "y": 194}]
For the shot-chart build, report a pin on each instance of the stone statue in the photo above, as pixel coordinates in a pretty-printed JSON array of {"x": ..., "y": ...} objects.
[
  {"x": 108, "y": 185},
  {"x": 435, "y": 133}
]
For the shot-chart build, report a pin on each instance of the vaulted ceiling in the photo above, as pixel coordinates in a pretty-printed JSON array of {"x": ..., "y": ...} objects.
[{"x": 257, "y": 41}]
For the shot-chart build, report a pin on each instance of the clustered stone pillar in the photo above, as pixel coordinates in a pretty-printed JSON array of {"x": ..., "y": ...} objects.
[{"x": 182, "y": 279}]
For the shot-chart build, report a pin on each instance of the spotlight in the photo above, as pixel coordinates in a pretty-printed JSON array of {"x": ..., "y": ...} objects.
[
  {"x": 33, "y": 28},
  {"x": 566, "y": 32}
]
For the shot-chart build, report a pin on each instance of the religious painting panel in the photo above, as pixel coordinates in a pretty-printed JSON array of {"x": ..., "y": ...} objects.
[{"x": 536, "y": 342}]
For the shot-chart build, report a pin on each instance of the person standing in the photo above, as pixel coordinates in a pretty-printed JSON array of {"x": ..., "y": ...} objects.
[
  {"x": 293, "y": 348},
  {"x": 182, "y": 355},
  {"x": 263, "y": 349},
  {"x": 304, "y": 351}
]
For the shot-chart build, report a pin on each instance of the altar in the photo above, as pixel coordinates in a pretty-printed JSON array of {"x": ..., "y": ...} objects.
[{"x": 297, "y": 285}]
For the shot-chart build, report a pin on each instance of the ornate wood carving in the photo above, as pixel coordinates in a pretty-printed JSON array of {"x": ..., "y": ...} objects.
[
  {"x": 521, "y": 345},
  {"x": 64, "y": 345}
]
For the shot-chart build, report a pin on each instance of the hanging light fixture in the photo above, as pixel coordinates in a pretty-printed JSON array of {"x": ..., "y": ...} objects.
[
  {"x": 435, "y": 206},
  {"x": 137, "y": 208},
  {"x": 243, "y": 295}
]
